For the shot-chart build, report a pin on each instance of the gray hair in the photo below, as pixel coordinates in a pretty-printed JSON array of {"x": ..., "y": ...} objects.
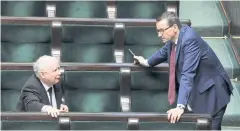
[
  {"x": 171, "y": 17},
  {"x": 41, "y": 63}
]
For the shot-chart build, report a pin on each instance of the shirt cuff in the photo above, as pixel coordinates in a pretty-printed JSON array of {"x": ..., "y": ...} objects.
[
  {"x": 145, "y": 63},
  {"x": 181, "y": 105},
  {"x": 45, "y": 108}
]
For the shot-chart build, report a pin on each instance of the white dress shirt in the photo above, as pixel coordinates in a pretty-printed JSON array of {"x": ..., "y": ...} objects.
[
  {"x": 176, "y": 44},
  {"x": 54, "y": 102}
]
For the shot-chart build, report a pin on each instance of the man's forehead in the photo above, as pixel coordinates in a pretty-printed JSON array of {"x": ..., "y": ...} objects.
[
  {"x": 52, "y": 65},
  {"x": 162, "y": 24}
]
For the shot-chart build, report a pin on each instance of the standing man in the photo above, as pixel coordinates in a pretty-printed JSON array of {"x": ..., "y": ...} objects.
[
  {"x": 204, "y": 86},
  {"x": 41, "y": 93}
]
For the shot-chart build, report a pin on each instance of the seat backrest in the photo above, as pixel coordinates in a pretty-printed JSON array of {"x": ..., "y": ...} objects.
[
  {"x": 149, "y": 91},
  {"x": 166, "y": 126},
  {"x": 98, "y": 125},
  {"x": 25, "y": 43},
  {"x": 92, "y": 91},
  {"x": 12, "y": 82},
  {"x": 140, "y": 9},
  {"x": 143, "y": 41},
  {"x": 89, "y": 44},
  {"x": 23, "y": 8},
  {"x": 30, "y": 125},
  {"x": 81, "y": 9}
]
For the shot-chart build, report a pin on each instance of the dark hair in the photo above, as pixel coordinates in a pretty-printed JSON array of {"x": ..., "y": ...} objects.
[{"x": 171, "y": 17}]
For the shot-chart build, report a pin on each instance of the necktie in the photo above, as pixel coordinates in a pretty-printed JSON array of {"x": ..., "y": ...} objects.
[
  {"x": 50, "y": 94},
  {"x": 171, "y": 89}
]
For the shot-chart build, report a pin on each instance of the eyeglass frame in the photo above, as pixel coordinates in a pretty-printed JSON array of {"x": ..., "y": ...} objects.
[{"x": 162, "y": 30}]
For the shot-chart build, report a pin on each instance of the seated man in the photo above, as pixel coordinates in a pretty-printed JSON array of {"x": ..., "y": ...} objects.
[{"x": 40, "y": 92}]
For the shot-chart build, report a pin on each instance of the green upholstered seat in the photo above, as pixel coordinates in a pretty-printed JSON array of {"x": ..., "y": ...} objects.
[
  {"x": 24, "y": 43},
  {"x": 142, "y": 41},
  {"x": 87, "y": 44},
  {"x": 11, "y": 85},
  {"x": 81, "y": 9},
  {"x": 140, "y": 9},
  {"x": 149, "y": 90},
  {"x": 23, "y": 8},
  {"x": 98, "y": 125},
  {"x": 167, "y": 126},
  {"x": 30, "y": 125},
  {"x": 92, "y": 91}
]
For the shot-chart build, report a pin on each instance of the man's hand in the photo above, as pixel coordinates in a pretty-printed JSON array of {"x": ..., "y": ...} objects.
[
  {"x": 174, "y": 114},
  {"x": 63, "y": 108},
  {"x": 53, "y": 112},
  {"x": 140, "y": 60}
]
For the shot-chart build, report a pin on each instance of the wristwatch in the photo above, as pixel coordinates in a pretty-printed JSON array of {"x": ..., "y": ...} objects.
[{"x": 181, "y": 106}]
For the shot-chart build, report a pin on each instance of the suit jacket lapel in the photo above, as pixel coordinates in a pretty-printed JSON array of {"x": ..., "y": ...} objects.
[
  {"x": 45, "y": 96},
  {"x": 169, "y": 51},
  {"x": 179, "y": 42},
  {"x": 43, "y": 92}
]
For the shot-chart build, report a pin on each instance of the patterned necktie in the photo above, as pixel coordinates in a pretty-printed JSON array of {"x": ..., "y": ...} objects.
[{"x": 171, "y": 89}]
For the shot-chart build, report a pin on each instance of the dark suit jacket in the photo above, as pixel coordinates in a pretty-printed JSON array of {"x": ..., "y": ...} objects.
[
  {"x": 203, "y": 82},
  {"x": 34, "y": 96}
]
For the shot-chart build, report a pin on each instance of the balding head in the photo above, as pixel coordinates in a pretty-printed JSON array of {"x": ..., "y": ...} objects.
[
  {"x": 46, "y": 69},
  {"x": 42, "y": 63}
]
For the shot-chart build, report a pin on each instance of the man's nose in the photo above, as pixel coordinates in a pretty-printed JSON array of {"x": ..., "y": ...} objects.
[{"x": 159, "y": 34}]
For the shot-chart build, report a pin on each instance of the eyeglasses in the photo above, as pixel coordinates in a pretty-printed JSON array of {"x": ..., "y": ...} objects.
[{"x": 162, "y": 30}]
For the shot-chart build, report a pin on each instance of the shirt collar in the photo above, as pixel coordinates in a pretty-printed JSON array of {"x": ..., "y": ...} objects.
[
  {"x": 176, "y": 41},
  {"x": 45, "y": 86}
]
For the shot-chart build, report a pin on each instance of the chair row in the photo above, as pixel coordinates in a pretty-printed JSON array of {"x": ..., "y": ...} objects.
[
  {"x": 102, "y": 121},
  {"x": 70, "y": 38},
  {"x": 208, "y": 16},
  {"x": 86, "y": 9},
  {"x": 95, "y": 88},
  {"x": 92, "y": 41}
]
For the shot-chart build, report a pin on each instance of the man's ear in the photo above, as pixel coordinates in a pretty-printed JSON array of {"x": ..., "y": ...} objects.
[
  {"x": 41, "y": 74},
  {"x": 175, "y": 27}
]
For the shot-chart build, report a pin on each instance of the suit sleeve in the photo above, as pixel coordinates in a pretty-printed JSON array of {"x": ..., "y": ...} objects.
[
  {"x": 31, "y": 99},
  {"x": 192, "y": 55},
  {"x": 61, "y": 94},
  {"x": 159, "y": 56}
]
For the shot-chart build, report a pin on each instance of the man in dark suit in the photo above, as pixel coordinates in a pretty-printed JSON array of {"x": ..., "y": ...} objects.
[
  {"x": 41, "y": 92},
  {"x": 204, "y": 86}
]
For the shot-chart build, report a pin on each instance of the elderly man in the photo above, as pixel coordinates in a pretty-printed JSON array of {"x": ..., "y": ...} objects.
[
  {"x": 204, "y": 86},
  {"x": 41, "y": 92}
]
